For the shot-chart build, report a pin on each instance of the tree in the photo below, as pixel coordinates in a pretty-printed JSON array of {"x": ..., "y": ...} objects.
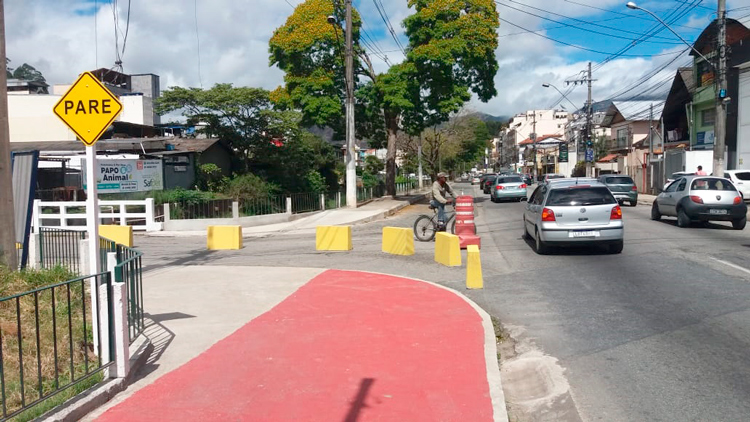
[
  {"x": 27, "y": 72},
  {"x": 373, "y": 165},
  {"x": 241, "y": 116},
  {"x": 450, "y": 55}
]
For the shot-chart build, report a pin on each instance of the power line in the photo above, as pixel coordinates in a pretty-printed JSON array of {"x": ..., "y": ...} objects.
[
  {"x": 578, "y": 46},
  {"x": 387, "y": 21},
  {"x": 628, "y": 15}
]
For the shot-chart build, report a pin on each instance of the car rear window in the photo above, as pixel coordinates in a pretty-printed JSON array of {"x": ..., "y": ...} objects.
[
  {"x": 620, "y": 180},
  {"x": 555, "y": 176},
  {"x": 711, "y": 184},
  {"x": 575, "y": 196},
  {"x": 501, "y": 180},
  {"x": 745, "y": 175}
]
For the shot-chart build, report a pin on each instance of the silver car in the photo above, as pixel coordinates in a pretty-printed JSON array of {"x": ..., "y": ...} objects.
[
  {"x": 573, "y": 212},
  {"x": 701, "y": 198},
  {"x": 508, "y": 187}
]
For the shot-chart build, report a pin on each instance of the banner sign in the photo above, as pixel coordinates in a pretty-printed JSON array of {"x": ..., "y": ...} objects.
[{"x": 117, "y": 176}]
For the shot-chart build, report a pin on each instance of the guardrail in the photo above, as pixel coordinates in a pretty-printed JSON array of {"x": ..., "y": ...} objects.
[
  {"x": 128, "y": 269},
  {"x": 305, "y": 202},
  {"x": 72, "y": 215},
  {"x": 32, "y": 370}
]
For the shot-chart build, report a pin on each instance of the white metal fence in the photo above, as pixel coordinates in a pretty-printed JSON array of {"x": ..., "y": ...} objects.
[{"x": 141, "y": 215}]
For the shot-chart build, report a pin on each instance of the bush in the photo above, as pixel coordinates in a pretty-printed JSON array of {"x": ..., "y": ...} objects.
[
  {"x": 315, "y": 182},
  {"x": 210, "y": 178},
  {"x": 182, "y": 195},
  {"x": 250, "y": 186}
]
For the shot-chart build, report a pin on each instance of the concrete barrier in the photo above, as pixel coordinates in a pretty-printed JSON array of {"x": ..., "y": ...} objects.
[
  {"x": 398, "y": 241},
  {"x": 122, "y": 235},
  {"x": 333, "y": 238},
  {"x": 447, "y": 250},
  {"x": 224, "y": 238},
  {"x": 474, "y": 278}
]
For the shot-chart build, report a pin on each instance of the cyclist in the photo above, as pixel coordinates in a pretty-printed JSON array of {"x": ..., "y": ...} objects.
[{"x": 440, "y": 191}]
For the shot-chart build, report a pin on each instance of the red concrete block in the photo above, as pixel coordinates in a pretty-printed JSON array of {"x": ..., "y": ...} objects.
[
  {"x": 466, "y": 228},
  {"x": 465, "y": 240}
]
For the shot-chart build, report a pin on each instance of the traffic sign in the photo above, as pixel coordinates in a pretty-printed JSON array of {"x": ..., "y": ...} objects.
[
  {"x": 589, "y": 155},
  {"x": 88, "y": 108},
  {"x": 563, "y": 158}
]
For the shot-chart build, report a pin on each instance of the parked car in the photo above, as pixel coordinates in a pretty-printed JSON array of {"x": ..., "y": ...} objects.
[
  {"x": 622, "y": 187},
  {"x": 571, "y": 212},
  {"x": 551, "y": 176},
  {"x": 486, "y": 181},
  {"x": 475, "y": 180},
  {"x": 741, "y": 180},
  {"x": 528, "y": 179},
  {"x": 701, "y": 198},
  {"x": 508, "y": 187},
  {"x": 675, "y": 176}
]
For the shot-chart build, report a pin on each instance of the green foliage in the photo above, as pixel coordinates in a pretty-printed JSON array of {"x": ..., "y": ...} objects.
[
  {"x": 579, "y": 170},
  {"x": 27, "y": 72},
  {"x": 182, "y": 195},
  {"x": 373, "y": 165},
  {"x": 15, "y": 282},
  {"x": 371, "y": 180},
  {"x": 250, "y": 186},
  {"x": 210, "y": 178},
  {"x": 241, "y": 116},
  {"x": 315, "y": 182}
]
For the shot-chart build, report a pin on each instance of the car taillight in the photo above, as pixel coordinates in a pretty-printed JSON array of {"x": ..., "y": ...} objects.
[
  {"x": 548, "y": 215},
  {"x": 635, "y": 187},
  {"x": 737, "y": 200},
  {"x": 616, "y": 213},
  {"x": 696, "y": 199},
  {"x": 523, "y": 186},
  {"x": 498, "y": 187}
]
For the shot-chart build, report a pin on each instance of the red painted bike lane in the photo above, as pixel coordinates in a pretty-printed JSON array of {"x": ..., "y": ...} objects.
[{"x": 347, "y": 346}]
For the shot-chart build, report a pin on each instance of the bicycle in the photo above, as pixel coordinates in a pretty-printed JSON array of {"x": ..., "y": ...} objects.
[{"x": 426, "y": 226}]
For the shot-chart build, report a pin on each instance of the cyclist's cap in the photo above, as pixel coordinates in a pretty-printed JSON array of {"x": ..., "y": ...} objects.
[{"x": 441, "y": 174}]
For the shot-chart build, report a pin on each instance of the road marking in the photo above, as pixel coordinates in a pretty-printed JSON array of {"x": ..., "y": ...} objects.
[{"x": 735, "y": 266}]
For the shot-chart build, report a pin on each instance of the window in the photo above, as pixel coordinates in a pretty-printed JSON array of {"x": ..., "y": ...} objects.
[
  {"x": 672, "y": 186},
  {"x": 622, "y": 138},
  {"x": 681, "y": 186},
  {"x": 745, "y": 175},
  {"x": 708, "y": 117},
  {"x": 573, "y": 196},
  {"x": 712, "y": 184},
  {"x": 502, "y": 180},
  {"x": 620, "y": 180}
]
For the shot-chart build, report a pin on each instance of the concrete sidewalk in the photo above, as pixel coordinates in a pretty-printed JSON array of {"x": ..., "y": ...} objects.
[
  {"x": 289, "y": 344},
  {"x": 374, "y": 210}
]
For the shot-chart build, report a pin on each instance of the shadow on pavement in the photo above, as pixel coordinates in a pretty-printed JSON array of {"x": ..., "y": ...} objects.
[
  {"x": 195, "y": 258},
  {"x": 161, "y": 337},
  {"x": 359, "y": 402}
]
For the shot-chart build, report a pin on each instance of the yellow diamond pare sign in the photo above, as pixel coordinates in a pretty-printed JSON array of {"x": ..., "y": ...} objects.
[{"x": 88, "y": 108}]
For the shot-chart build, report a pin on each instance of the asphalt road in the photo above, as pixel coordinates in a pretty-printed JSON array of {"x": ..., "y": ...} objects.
[{"x": 660, "y": 332}]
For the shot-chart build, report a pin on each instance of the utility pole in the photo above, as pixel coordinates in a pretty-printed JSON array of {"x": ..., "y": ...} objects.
[
  {"x": 534, "y": 172},
  {"x": 7, "y": 222},
  {"x": 651, "y": 141},
  {"x": 351, "y": 161},
  {"x": 720, "y": 128},
  {"x": 588, "y": 136}
]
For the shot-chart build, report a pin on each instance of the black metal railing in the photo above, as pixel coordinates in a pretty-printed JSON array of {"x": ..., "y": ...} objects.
[
  {"x": 262, "y": 206},
  {"x": 47, "y": 340},
  {"x": 305, "y": 202},
  {"x": 60, "y": 247},
  {"x": 187, "y": 210}
]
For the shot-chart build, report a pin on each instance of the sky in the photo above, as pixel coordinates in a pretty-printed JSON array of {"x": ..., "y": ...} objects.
[{"x": 202, "y": 42}]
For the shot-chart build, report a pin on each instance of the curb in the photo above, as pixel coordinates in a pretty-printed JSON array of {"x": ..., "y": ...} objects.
[
  {"x": 497, "y": 396},
  {"x": 79, "y": 406}
]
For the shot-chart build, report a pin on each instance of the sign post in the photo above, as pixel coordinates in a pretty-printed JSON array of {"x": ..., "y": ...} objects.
[{"x": 88, "y": 108}]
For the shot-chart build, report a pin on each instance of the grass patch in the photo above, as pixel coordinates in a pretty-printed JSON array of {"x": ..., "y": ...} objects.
[{"x": 47, "y": 339}]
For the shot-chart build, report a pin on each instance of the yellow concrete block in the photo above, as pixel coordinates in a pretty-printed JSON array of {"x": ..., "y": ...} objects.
[
  {"x": 473, "y": 268},
  {"x": 398, "y": 241},
  {"x": 224, "y": 238},
  {"x": 447, "y": 249},
  {"x": 122, "y": 235},
  {"x": 333, "y": 238}
]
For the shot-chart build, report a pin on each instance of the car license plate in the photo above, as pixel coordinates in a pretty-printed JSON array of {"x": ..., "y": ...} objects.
[
  {"x": 719, "y": 212},
  {"x": 582, "y": 233}
]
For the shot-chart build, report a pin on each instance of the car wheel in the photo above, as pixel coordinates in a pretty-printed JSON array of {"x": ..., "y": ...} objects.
[
  {"x": 740, "y": 223},
  {"x": 682, "y": 219},
  {"x": 525, "y": 235},
  {"x": 540, "y": 247},
  {"x": 616, "y": 248},
  {"x": 493, "y": 199},
  {"x": 633, "y": 203},
  {"x": 655, "y": 214}
]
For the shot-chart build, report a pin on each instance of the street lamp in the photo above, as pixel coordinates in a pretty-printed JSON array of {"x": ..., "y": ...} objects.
[
  {"x": 721, "y": 98},
  {"x": 547, "y": 85}
]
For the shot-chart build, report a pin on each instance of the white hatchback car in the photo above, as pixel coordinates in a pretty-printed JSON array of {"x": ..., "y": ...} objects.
[
  {"x": 741, "y": 180},
  {"x": 578, "y": 212}
]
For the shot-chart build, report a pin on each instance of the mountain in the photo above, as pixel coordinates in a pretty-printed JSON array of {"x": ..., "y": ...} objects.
[{"x": 490, "y": 118}]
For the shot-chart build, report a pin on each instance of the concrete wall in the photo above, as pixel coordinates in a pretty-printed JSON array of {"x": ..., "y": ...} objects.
[
  {"x": 31, "y": 119},
  {"x": 202, "y": 224}
]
